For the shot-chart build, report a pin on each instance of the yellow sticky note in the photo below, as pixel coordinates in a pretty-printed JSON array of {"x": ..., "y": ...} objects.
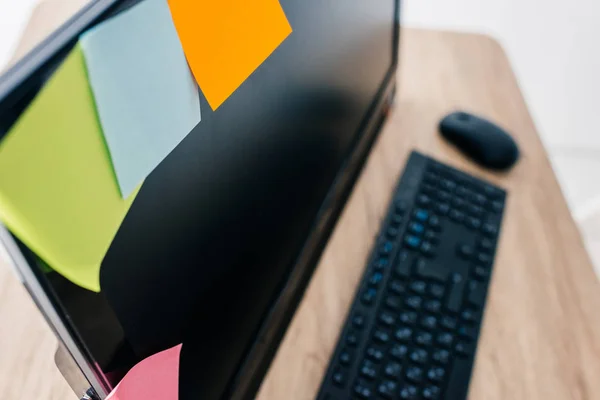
[
  {"x": 58, "y": 192},
  {"x": 226, "y": 40}
]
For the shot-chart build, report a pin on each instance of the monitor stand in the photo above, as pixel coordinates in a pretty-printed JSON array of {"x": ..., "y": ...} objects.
[{"x": 70, "y": 371}]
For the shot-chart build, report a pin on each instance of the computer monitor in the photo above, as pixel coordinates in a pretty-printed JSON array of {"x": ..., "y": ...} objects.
[{"x": 225, "y": 233}]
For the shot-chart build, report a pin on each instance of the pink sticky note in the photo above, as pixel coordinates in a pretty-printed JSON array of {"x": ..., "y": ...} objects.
[{"x": 155, "y": 378}]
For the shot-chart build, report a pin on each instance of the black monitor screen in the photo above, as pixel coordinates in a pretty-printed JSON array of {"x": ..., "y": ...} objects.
[{"x": 216, "y": 228}]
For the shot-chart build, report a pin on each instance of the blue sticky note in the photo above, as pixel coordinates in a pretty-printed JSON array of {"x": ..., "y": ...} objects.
[{"x": 146, "y": 97}]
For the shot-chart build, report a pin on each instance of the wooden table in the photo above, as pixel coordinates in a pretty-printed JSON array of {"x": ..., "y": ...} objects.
[{"x": 541, "y": 334}]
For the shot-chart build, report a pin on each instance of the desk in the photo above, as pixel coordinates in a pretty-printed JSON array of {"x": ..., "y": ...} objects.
[{"x": 541, "y": 334}]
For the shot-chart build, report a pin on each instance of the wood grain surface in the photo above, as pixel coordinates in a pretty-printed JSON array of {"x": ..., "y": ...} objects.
[{"x": 541, "y": 334}]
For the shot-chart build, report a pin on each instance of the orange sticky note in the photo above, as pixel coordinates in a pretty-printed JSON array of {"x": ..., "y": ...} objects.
[
  {"x": 225, "y": 41},
  {"x": 156, "y": 377}
]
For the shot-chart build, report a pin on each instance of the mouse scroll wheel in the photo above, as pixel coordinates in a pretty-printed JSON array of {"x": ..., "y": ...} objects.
[{"x": 463, "y": 117}]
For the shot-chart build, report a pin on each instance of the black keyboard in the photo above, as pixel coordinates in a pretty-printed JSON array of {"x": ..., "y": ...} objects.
[{"x": 413, "y": 328}]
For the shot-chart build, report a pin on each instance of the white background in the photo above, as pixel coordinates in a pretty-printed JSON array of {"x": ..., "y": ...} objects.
[{"x": 14, "y": 15}]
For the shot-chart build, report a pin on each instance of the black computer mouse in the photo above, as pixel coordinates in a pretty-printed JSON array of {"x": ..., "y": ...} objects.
[{"x": 483, "y": 141}]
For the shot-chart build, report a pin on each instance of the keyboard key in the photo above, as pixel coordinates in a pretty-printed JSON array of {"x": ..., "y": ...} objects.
[
  {"x": 369, "y": 296},
  {"x": 397, "y": 287},
  {"x": 486, "y": 245},
  {"x": 449, "y": 323},
  {"x": 387, "y": 318},
  {"x": 491, "y": 192},
  {"x": 428, "y": 188},
  {"x": 396, "y": 220},
  {"x": 403, "y": 256},
  {"x": 431, "y": 178},
  {"x": 484, "y": 259},
  {"x": 408, "y": 317},
  {"x": 428, "y": 270},
  {"x": 381, "y": 263},
  {"x": 375, "y": 279},
  {"x": 433, "y": 306},
  {"x": 442, "y": 208},
  {"x": 456, "y": 216},
  {"x": 338, "y": 378},
  {"x": 381, "y": 336},
  {"x": 478, "y": 199},
  {"x": 445, "y": 339},
  {"x": 427, "y": 249},
  {"x": 416, "y": 228},
  {"x": 393, "y": 302},
  {"x": 462, "y": 192},
  {"x": 490, "y": 230},
  {"x": 345, "y": 357},
  {"x": 368, "y": 370},
  {"x": 358, "y": 321},
  {"x": 419, "y": 356},
  {"x": 469, "y": 315},
  {"x": 423, "y": 200},
  {"x": 387, "y": 389},
  {"x": 403, "y": 264},
  {"x": 456, "y": 293},
  {"x": 352, "y": 339},
  {"x": 431, "y": 392},
  {"x": 418, "y": 287},
  {"x": 481, "y": 273},
  {"x": 443, "y": 196},
  {"x": 468, "y": 332},
  {"x": 392, "y": 370},
  {"x": 458, "y": 203},
  {"x": 435, "y": 223},
  {"x": 414, "y": 374},
  {"x": 436, "y": 374},
  {"x": 429, "y": 322},
  {"x": 441, "y": 356},
  {"x": 431, "y": 237},
  {"x": 399, "y": 351},
  {"x": 414, "y": 302},
  {"x": 374, "y": 354},
  {"x": 464, "y": 349},
  {"x": 401, "y": 207},
  {"x": 437, "y": 290},
  {"x": 477, "y": 293},
  {"x": 408, "y": 392},
  {"x": 412, "y": 242},
  {"x": 465, "y": 251},
  {"x": 424, "y": 339},
  {"x": 392, "y": 232},
  {"x": 497, "y": 206},
  {"x": 448, "y": 185},
  {"x": 421, "y": 215},
  {"x": 458, "y": 378},
  {"x": 475, "y": 211},
  {"x": 403, "y": 334},
  {"x": 473, "y": 223},
  {"x": 363, "y": 391},
  {"x": 387, "y": 248}
]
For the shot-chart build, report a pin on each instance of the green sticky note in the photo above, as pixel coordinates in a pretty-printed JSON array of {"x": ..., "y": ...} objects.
[{"x": 58, "y": 191}]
